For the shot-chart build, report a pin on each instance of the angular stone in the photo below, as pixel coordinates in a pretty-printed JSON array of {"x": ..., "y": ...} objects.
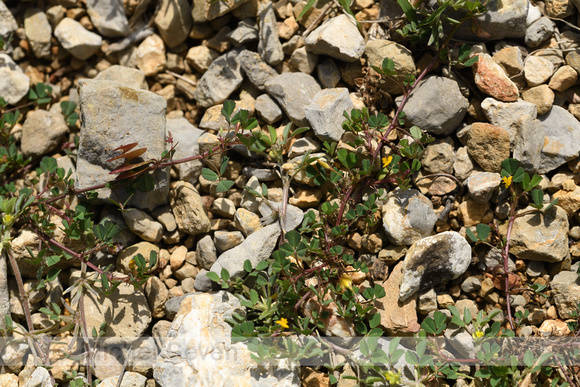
[
  {"x": 503, "y": 19},
  {"x": 408, "y": 216},
  {"x": 8, "y": 24},
  {"x": 528, "y": 143},
  {"x": 38, "y": 32},
  {"x": 539, "y": 31},
  {"x": 566, "y": 291},
  {"x": 328, "y": 73},
  {"x": 200, "y": 57},
  {"x": 325, "y": 113},
  {"x": 482, "y": 184},
  {"x": 564, "y": 78},
  {"x": 113, "y": 115},
  {"x": 489, "y": 145},
  {"x": 293, "y": 91},
  {"x": 542, "y": 96},
  {"x": 186, "y": 136},
  {"x": 188, "y": 209},
  {"x": 14, "y": 84},
  {"x": 173, "y": 21},
  {"x": 537, "y": 70},
  {"x": 245, "y": 33},
  {"x": 269, "y": 46},
  {"x": 205, "y": 252},
  {"x": 205, "y": 11},
  {"x": 303, "y": 61},
  {"x": 439, "y": 156},
  {"x": 338, "y": 38},
  {"x": 157, "y": 295},
  {"x": 128, "y": 76},
  {"x": 434, "y": 260},
  {"x": 491, "y": 79},
  {"x": 246, "y": 221},
  {"x": 257, "y": 71},
  {"x": 221, "y": 79},
  {"x": 77, "y": 40},
  {"x": 541, "y": 236},
  {"x": 562, "y": 139},
  {"x": 506, "y": 115},
  {"x": 377, "y": 50},
  {"x": 109, "y": 17},
  {"x": 151, "y": 55},
  {"x": 42, "y": 132},
  {"x": 443, "y": 117},
  {"x": 268, "y": 109},
  {"x": 471, "y": 212},
  {"x": 225, "y": 240},
  {"x": 142, "y": 224}
]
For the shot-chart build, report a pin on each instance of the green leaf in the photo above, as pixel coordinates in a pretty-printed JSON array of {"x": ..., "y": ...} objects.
[
  {"x": 375, "y": 320},
  {"x": 262, "y": 265},
  {"x": 146, "y": 183},
  {"x": 306, "y": 8},
  {"x": 105, "y": 281},
  {"x": 408, "y": 10},
  {"x": 470, "y": 62},
  {"x": 483, "y": 231},
  {"x": 536, "y": 179},
  {"x": 519, "y": 175},
  {"x": 529, "y": 358},
  {"x": 52, "y": 273},
  {"x": 227, "y": 109},
  {"x": 293, "y": 237},
  {"x": 224, "y": 185},
  {"x": 225, "y": 275},
  {"x": 248, "y": 266},
  {"x": 67, "y": 107},
  {"x": 209, "y": 175},
  {"x": 510, "y": 166},
  {"x": 298, "y": 131},
  {"x": 213, "y": 276},
  {"x": 224, "y": 165},
  {"x": 53, "y": 260},
  {"x": 471, "y": 235},
  {"x": 552, "y": 203},
  {"x": 416, "y": 132},
  {"x": 538, "y": 198},
  {"x": 48, "y": 164}
]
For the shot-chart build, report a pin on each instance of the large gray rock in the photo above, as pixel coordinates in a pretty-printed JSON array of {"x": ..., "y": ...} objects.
[
  {"x": 257, "y": 71},
  {"x": 325, "y": 113},
  {"x": 566, "y": 291},
  {"x": 8, "y": 24},
  {"x": 408, "y": 216},
  {"x": 174, "y": 21},
  {"x": 128, "y": 76},
  {"x": 199, "y": 352},
  {"x": 113, "y": 115},
  {"x": 125, "y": 311},
  {"x": 539, "y": 31},
  {"x": 504, "y": 19},
  {"x": 222, "y": 78},
  {"x": 38, "y": 32},
  {"x": 528, "y": 143},
  {"x": 434, "y": 260},
  {"x": 562, "y": 141},
  {"x": 293, "y": 91},
  {"x": 42, "y": 132},
  {"x": 541, "y": 236},
  {"x": 269, "y": 46},
  {"x": 338, "y": 38},
  {"x": 507, "y": 114},
  {"x": 443, "y": 117},
  {"x": 76, "y": 39},
  {"x": 14, "y": 84},
  {"x": 204, "y": 10},
  {"x": 257, "y": 247},
  {"x": 109, "y": 17},
  {"x": 185, "y": 135}
]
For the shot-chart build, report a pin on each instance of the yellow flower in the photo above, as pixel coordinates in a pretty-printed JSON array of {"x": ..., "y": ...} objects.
[
  {"x": 387, "y": 161},
  {"x": 7, "y": 219},
  {"x": 283, "y": 322},
  {"x": 346, "y": 281},
  {"x": 507, "y": 181},
  {"x": 478, "y": 335},
  {"x": 394, "y": 379}
]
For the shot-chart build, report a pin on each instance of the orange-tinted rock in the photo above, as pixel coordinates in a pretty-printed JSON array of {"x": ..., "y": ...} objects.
[{"x": 491, "y": 79}]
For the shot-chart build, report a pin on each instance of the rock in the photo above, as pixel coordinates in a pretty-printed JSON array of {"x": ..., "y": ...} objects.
[
  {"x": 439, "y": 156},
  {"x": 109, "y": 17},
  {"x": 507, "y": 115},
  {"x": 113, "y": 115},
  {"x": 560, "y": 8},
  {"x": 224, "y": 208},
  {"x": 42, "y": 133},
  {"x": 443, "y": 117},
  {"x": 125, "y": 259},
  {"x": 165, "y": 217},
  {"x": 130, "y": 379},
  {"x": 293, "y": 91},
  {"x": 268, "y": 109},
  {"x": 325, "y": 113},
  {"x": 269, "y": 46},
  {"x": 427, "y": 301},
  {"x": 14, "y": 84},
  {"x": 225, "y": 240},
  {"x": 304, "y": 198},
  {"x": 246, "y": 221},
  {"x": 408, "y": 216},
  {"x": 294, "y": 215},
  {"x": 8, "y": 24},
  {"x": 302, "y": 146},
  {"x": 491, "y": 79},
  {"x": 377, "y": 50},
  {"x": 151, "y": 55},
  {"x": 10, "y": 380},
  {"x": 303, "y": 61},
  {"x": 177, "y": 258},
  {"x": 511, "y": 59},
  {"x": 569, "y": 200},
  {"x": 199, "y": 351},
  {"x": 562, "y": 139},
  {"x": 537, "y": 70},
  {"x": 542, "y": 96},
  {"x": 157, "y": 295},
  {"x": 328, "y": 73},
  {"x": 471, "y": 284},
  {"x": 257, "y": 247},
  {"x": 38, "y": 32},
  {"x": 554, "y": 328},
  {"x": 77, "y": 40},
  {"x": 125, "y": 310},
  {"x": 202, "y": 283},
  {"x": 128, "y": 76},
  {"x": 489, "y": 145},
  {"x": 333, "y": 324},
  {"x": 471, "y": 212},
  {"x": 566, "y": 292},
  {"x": 39, "y": 378},
  {"x": 434, "y": 260},
  {"x": 257, "y": 71},
  {"x": 206, "y": 11},
  {"x": 528, "y": 143},
  {"x": 534, "y": 268},
  {"x": 338, "y": 38},
  {"x": 206, "y": 252},
  {"x": 541, "y": 236},
  {"x": 173, "y": 21},
  {"x": 186, "y": 136},
  {"x": 245, "y": 33},
  {"x": 481, "y": 185},
  {"x": 221, "y": 79},
  {"x": 201, "y": 57},
  {"x": 397, "y": 317},
  {"x": 143, "y": 225},
  {"x": 503, "y": 19},
  {"x": 539, "y": 31},
  {"x": 564, "y": 78},
  {"x": 188, "y": 209}
]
